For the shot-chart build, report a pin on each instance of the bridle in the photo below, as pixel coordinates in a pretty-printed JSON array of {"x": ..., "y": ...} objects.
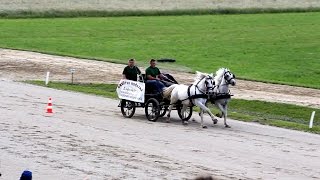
[
  {"x": 228, "y": 80},
  {"x": 206, "y": 83},
  {"x": 209, "y": 87}
]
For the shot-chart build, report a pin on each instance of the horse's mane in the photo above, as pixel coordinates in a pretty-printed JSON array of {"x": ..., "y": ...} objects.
[
  {"x": 199, "y": 76},
  {"x": 219, "y": 75}
]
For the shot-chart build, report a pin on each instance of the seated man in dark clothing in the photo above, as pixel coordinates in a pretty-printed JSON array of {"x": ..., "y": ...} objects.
[
  {"x": 153, "y": 76},
  {"x": 131, "y": 71}
]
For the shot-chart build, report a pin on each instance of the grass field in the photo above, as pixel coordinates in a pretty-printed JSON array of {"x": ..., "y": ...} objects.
[
  {"x": 279, "y": 48},
  {"x": 274, "y": 114}
]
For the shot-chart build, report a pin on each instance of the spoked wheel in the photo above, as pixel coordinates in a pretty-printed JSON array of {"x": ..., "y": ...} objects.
[
  {"x": 163, "y": 110},
  {"x": 128, "y": 108},
  {"x": 186, "y": 114},
  {"x": 152, "y": 109}
]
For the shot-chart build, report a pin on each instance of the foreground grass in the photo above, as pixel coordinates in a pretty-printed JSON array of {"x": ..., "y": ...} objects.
[
  {"x": 274, "y": 114},
  {"x": 278, "y": 48}
]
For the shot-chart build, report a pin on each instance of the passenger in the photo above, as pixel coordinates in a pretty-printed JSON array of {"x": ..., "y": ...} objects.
[
  {"x": 131, "y": 71},
  {"x": 153, "y": 76}
]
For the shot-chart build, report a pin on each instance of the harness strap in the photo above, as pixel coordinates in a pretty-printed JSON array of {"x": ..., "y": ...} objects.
[
  {"x": 189, "y": 97},
  {"x": 218, "y": 96},
  {"x": 196, "y": 96}
]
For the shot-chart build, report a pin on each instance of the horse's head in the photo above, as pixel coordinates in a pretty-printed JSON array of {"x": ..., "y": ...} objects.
[
  {"x": 209, "y": 82},
  {"x": 224, "y": 77},
  {"x": 229, "y": 77},
  {"x": 204, "y": 81}
]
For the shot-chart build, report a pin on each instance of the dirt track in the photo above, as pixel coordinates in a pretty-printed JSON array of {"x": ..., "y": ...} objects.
[
  {"x": 23, "y": 65},
  {"x": 87, "y": 138}
]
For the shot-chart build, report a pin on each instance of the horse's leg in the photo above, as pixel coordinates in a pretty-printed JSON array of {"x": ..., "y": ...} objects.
[
  {"x": 201, "y": 116},
  {"x": 204, "y": 108},
  {"x": 223, "y": 109},
  {"x": 215, "y": 120},
  {"x": 172, "y": 102},
  {"x": 200, "y": 112},
  {"x": 183, "y": 110},
  {"x": 169, "y": 111},
  {"x": 225, "y": 114}
]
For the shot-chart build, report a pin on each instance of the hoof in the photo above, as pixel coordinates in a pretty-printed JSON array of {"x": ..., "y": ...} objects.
[
  {"x": 204, "y": 127},
  {"x": 215, "y": 121},
  {"x": 227, "y": 126},
  {"x": 185, "y": 122}
]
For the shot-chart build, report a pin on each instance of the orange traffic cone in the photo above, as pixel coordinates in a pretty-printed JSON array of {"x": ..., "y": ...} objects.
[{"x": 49, "y": 107}]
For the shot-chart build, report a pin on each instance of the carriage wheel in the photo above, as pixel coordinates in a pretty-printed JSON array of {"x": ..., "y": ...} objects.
[
  {"x": 128, "y": 108},
  {"x": 186, "y": 114},
  {"x": 163, "y": 110},
  {"x": 152, "y": 109}
]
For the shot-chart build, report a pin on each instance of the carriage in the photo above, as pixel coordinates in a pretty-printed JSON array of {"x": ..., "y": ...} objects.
[
  {"x": 183, "y": 98},
  {"x": 154, "y": 104}
]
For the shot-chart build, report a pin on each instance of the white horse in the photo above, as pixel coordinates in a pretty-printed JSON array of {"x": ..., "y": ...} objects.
[
  {"x": 221, "y": 95},
  {"x": 196, "y": 94}
]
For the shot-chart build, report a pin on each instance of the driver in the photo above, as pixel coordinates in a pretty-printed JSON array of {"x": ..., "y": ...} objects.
[{"x": 153, "y": 76}]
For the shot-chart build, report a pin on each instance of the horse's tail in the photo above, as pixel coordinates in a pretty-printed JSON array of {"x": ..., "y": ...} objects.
[{"x": 167, "y": 92}]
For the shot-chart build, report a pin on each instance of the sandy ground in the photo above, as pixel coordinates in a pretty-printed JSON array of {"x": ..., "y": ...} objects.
[
  {"x": 23, "y": 65},
  {"x": 87, "y": 138},
  {"x": 150, "y": 5}
]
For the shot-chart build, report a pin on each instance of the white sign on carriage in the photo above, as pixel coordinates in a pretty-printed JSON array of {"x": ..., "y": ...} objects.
[{"x": 131, "y": 90}]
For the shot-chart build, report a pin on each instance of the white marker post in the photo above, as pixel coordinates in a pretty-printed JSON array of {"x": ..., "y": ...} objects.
[
  {"x": 311, "y": 119},
  {"x": 47, "y": 78},
  {"x": 72, "y": 70}
]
